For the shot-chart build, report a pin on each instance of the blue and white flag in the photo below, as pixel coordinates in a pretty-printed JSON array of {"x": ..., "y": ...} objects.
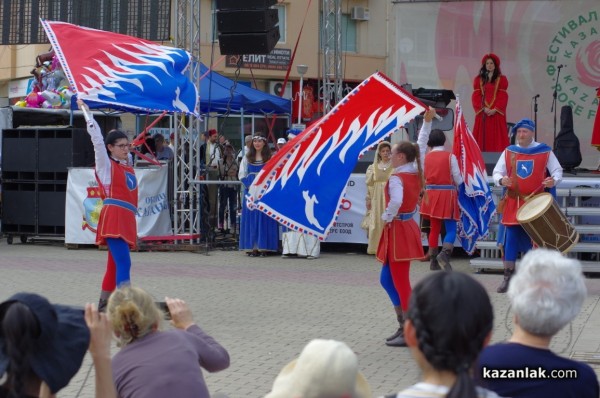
[
  {"x": 303, "y": 185},
  {"x": 474, "y": 196},
  {"x": 122, "y": 71}
]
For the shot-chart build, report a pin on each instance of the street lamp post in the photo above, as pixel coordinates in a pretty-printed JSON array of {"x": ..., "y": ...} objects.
[{"x": 302, "y": 69}]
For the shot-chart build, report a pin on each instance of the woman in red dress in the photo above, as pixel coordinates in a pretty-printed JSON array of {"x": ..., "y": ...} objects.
[{"x": 490, "y": 99}]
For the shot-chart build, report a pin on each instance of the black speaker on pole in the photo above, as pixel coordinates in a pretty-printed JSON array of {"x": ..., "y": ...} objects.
[{"x": 247, "y": 27}]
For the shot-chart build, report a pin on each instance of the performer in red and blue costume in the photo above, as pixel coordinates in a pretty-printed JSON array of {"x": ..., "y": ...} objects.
[
  {"x": 442, "y": 177},
  {"x": 117, "y": 227},
  {"x": 401, "y": 238},
  {"x": 523, "y": 169}
]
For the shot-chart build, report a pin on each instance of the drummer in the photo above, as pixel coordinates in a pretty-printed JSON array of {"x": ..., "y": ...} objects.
[{"x": 523, "y": 169}]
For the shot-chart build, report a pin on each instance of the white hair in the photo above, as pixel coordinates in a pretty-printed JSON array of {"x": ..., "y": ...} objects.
[{"x": 547, "y": 291}]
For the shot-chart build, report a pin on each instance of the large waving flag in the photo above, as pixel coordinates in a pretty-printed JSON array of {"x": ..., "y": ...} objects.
[
  {"x": 122, "y": 71},
  {"x": 474, "y": 196},
  {"x": 303, "y": 185}
]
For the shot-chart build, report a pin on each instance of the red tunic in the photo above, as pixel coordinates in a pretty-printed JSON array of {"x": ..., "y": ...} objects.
[
  {"x": 441, "y": 200},
  {"x": 528, "y": 177},
  {"x": 490, "y": 132},
  {"x": 401, "y": 239},
  {"x": 117, "y": 217}
]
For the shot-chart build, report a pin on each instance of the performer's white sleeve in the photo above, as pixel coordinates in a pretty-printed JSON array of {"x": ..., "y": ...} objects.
[
  {"x": 100, "y": 154},
  {"x": 500, "y": 169},
  {"x": 456, "y": 176},
  {"x": 243, "y": 171},
  {"x": 396, "y": 191},
  {"x": 422, "y": 140},
  {"x": 555, "y": 169}
]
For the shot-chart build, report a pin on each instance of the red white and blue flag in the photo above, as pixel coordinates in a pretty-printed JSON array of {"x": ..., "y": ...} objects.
[
  {"x": 474, "y": 196},
  {"x": 303, "y": 185},
  {"x": 122, "y": 71}
]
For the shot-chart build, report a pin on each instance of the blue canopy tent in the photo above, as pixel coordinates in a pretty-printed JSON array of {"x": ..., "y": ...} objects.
[{"x": 215, "y": 95}]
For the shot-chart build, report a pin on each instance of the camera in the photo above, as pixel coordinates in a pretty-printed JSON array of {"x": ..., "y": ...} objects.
[{"x": 165, "y": 309}]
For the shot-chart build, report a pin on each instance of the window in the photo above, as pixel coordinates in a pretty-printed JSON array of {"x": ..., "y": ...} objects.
[
  {"x": 282, "y": 22},
  {"x": 348, "y": 27},
  {"x": 147, "y": 19}
]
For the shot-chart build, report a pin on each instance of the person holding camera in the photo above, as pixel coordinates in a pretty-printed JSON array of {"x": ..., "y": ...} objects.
[
  {"x": 156, "y": 363},
  {"x": 36, "y": 335}
]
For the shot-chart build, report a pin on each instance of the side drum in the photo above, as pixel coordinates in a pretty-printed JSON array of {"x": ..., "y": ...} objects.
[{"x": 546, "y": 224}]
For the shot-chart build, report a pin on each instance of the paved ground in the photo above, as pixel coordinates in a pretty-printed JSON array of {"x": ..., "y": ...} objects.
[{"x": 264, "y": 310}]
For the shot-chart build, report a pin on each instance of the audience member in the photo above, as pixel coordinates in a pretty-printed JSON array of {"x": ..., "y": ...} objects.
[
  {"x": 228, "y": 193},
  {"x": 148, "y": 148},
  {"x": 163, "y": 152},
  {"x": 212, "y": 153},
  {"x": 154, "y": 363},
  {"x": 546, "y": 293},
  {"x": 244, "y": 149},
  {"x": 324, "y": 369},
  {"x": 450, "y": 319},
  {"x": 280, "y": 143},
  {"x": 42, "y": 346}
]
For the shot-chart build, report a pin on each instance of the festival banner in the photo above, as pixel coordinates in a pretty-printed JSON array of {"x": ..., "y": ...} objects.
[
  {"x": 125, "y": 72},
  {"x": 303, "y": 185},
  {"x": 83, "y": 204},
  {"x": 474, "y": 195},
  {"x": 346, "y": 227}
]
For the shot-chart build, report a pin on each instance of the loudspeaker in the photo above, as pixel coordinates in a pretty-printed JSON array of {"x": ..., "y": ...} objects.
[
  {"x": 18, "y": 206},
  {"x": 248, "y": 43},
  {"x": 19, "y": 153},
  {"x": 60, "y": 149},
  {"x": 241, "y": 21},
  {"x": 247, "y": 27},
  {"x": 44, "y": 153},
  {"x": 245, "y": 4},
  {"x": 51, "y": 205}
]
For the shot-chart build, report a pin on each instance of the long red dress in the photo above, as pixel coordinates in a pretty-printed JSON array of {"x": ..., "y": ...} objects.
[
  {"x": 491, "y": 132},
  {"x": 596, "y": 130}
]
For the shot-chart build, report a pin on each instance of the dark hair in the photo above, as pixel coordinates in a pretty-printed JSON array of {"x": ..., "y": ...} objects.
[
  {"x": 265, "y": 153},
  {"x": 149, "y": 146},
  {"x": 483, "y": 70},
  {"x": 411, "y": 151},
  {"x": 452, "y": 316},
  {"x": 436, "y": 138},
  {"x": 19, "y": 329},
  {"x": 113, "y": 136}
]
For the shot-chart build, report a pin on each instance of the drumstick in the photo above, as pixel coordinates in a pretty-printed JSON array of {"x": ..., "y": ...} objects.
[{"x": 534, "y": 192}]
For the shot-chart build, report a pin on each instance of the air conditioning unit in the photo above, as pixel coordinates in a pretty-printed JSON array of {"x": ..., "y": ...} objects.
[
  {"x": 276, "y": 87},
  {"x": 360, "y": 13}
]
